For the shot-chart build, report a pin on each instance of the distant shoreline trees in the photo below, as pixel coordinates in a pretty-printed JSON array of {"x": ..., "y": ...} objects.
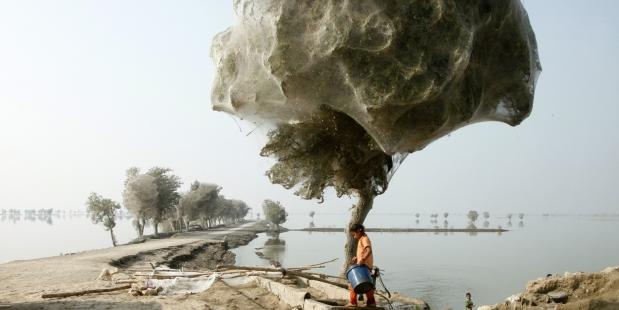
[{"x": 153, "y": 198}]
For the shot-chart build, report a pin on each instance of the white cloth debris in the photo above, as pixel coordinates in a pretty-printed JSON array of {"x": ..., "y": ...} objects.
[{"x": 183, "y": 285}]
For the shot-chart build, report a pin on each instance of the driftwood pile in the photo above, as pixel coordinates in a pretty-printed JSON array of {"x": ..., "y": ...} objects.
[{"x": 137, "y": 284}]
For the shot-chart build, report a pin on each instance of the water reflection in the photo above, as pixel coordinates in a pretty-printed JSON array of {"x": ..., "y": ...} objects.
[
  {"x": 274, "y": 249},
  {"x": 47, "y": 216},
  {"x": 521, "y": 224},
  {"x": 486, "y": 224},
  {"x": 473, "y": 229}
]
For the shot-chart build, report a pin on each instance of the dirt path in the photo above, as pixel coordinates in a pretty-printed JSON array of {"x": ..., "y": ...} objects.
[{"x": 23, "y": 282}]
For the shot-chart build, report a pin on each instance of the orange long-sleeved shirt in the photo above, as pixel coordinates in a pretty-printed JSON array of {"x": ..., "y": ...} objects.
[{"x": 364, "y": 252}]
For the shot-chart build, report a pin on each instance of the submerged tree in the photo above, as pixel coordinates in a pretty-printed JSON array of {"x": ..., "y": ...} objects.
[
  {"x": 472, "y": 215},
  {"x": 274, "y": 212},
  {"x": 103, "y": 210},
  {"x": 330, "y": 150}
]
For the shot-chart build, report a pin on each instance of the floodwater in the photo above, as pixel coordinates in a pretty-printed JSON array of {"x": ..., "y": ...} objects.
[
  {"x": 440, "y": 268},
  {"x": 25, "y": 237}
]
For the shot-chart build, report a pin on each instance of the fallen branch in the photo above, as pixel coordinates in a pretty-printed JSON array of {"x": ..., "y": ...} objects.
[
  {"x": 319, "y": 264},
  {"x": 168, "y": 275},
  {"x": 228, "y": 267},
  {"x": 124, "y": 281},
  {"x": 324, "y": 275},
  {"x": 85, "y": 292},
  {"x": 293, "y": 272},
  {"x": 311, "y": 277}
]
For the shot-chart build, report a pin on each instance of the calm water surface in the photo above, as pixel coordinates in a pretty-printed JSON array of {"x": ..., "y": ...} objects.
[
  {"x": 439, "y": 268},
  {"x": 23, "y": 238}
]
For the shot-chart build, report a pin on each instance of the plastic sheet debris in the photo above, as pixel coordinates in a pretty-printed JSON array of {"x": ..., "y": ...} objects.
[{"x": 183, "y": 285}]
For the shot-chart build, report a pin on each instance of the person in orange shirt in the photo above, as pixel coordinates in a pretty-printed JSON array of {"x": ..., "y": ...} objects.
[{"x": 364, "y": 257}]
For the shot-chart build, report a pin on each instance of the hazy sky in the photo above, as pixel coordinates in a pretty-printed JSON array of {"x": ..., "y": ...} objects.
[{"x": 90, "y": 88}]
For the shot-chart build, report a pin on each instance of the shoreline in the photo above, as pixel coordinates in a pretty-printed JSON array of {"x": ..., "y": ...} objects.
[{"x": 23, "y": 282}]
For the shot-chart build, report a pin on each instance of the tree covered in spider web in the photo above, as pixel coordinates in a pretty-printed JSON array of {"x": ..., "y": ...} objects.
[{"x": 330, "y": 150}]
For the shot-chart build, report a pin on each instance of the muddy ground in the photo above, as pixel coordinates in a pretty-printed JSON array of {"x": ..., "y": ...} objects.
[
  {"x": 22, "y": 283},
  {"x": 572, "y": 291}
]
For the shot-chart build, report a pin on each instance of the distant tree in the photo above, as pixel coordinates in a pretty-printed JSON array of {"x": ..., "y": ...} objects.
[
  {"x": 199, "y": 203},
  {"x": 472, "y": 215},
  {"x": 417, "y": 215},
  {"x": 140, "y": 197},
  {"x": 445, "y": 215},
  {"x": 274, "y": 212},
  {"x": 167, "y": 195},
  {"x": 233, "y": 210},
  {"x": 509, "y": 216},
  {"x": 312, "y": 213},
  {"x": 521, "y": 215},
  {"x": 486, "y": 215},
  {"x": 103, "y": 210}
]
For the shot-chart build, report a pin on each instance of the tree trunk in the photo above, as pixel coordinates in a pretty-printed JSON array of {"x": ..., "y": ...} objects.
[
  {"x": 141, "y": 225},
  {"x": 156, "y": 224},
  {"x": 357, "y": 216},
  {"x": 113, "y": 237}
]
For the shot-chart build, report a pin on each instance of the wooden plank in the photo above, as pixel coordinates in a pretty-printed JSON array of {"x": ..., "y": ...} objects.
[{"x": 85, "y": 292}]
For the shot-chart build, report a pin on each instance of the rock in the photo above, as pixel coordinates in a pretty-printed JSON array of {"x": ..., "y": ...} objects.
[
  {"x": 105, "y": 275},
  {"x": 140, "y": 286},
  {"x": 150, "y": 292},
  {"x": 135, "y": 292},
  {"x": 409, "y": 72},
  {"x": 558, "y": 296},
  {"x": 513, "y": 298}
]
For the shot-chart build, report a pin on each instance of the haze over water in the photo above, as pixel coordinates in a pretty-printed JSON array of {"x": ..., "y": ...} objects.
[
  {"x": 84, "y": 96},
  {"x": 439, "y": 268}
]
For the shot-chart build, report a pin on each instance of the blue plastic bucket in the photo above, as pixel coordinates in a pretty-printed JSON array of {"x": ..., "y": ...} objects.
[{"x": 360, "y": 278}]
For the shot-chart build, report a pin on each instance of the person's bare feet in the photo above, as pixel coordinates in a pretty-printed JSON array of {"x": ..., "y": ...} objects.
[{"x": 350, "y": 305}]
